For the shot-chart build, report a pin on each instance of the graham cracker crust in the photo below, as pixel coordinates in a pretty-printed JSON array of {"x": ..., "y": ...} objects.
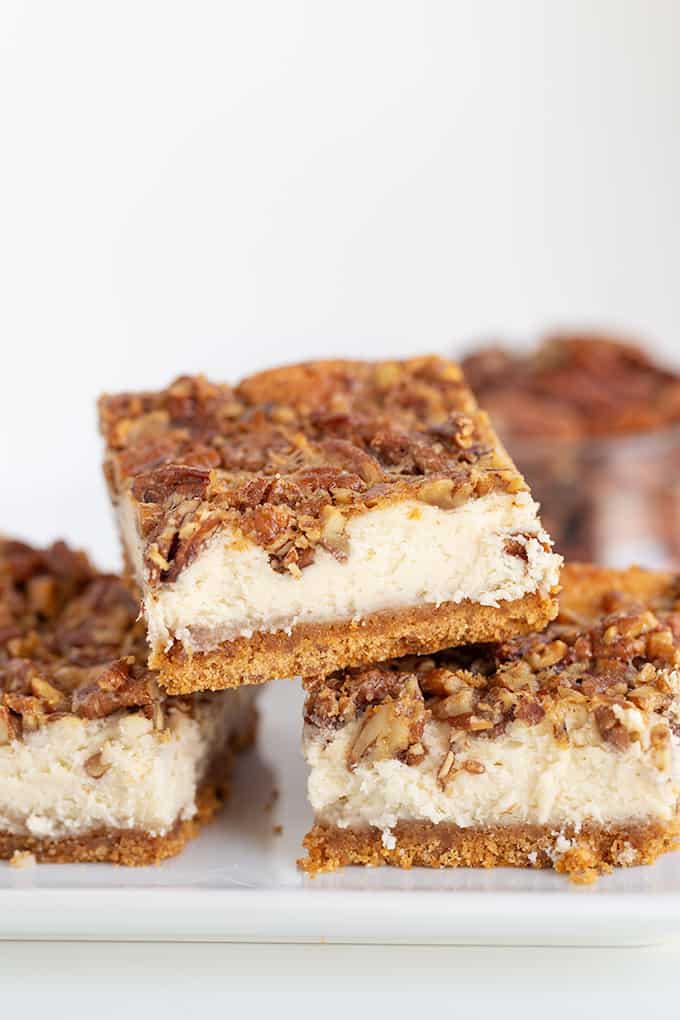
[
  {"x": 595, "y": 848},
  {"x": 134, "y": 847},
  {"x": 319, "y": 649}
]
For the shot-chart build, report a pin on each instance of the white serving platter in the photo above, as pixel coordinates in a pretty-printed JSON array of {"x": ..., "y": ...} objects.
[{"x": 239, "y": 882}]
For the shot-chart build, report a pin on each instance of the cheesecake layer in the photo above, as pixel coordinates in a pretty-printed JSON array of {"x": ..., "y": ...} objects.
[
  {"x": 524, "y": 777},
  {"x": 130, "y": 847},
  {"x": 75, "y": 776},
  {"x": 398, "y": 556}
]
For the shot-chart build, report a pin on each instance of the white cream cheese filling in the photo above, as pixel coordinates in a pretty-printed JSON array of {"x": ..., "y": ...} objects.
[
  {"x": 528, "y": 778},
  {"x": 151, "y": 778},
  {"x": 400, "y": 555}
]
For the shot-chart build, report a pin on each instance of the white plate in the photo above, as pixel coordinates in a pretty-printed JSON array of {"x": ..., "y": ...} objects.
[{"x": 239, "y": 882}]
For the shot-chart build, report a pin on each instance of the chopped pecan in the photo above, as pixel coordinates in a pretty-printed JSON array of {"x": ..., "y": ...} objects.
[
  {"x": 389, "y": 729},
  {"x": 116, "y": 687},
  {"x": 445, "y": 493},
  {"x": 171, "y": 481},
  {"x": 610, "y": 729},
  {"x": 446, "y": 768},
  {"x": 529, "y": 711},
  {"x": 10, "y": 726},
  {"x": 334, "y": 531},
  {"x": 95, "y": 766},
  {"x": 661, "y": 752}
]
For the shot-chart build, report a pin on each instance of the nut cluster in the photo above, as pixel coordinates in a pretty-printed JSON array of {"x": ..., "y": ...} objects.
[
  {"x": 70, "y": 643},
  {"x": 288, "y": 456}
]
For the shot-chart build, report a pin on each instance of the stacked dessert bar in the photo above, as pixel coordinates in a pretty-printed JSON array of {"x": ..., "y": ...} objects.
[
  {"x": 358, "y": 524},
  {"x": 321, "y": 516},
  {"x": 557, "y": 748}
]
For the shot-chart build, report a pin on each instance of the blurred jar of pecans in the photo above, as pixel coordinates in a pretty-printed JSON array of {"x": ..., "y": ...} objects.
[{"x": 594, "y": 425}]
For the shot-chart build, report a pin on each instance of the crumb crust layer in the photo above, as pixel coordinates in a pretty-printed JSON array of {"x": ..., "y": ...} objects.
[
  {"x": 317, "y": 649},
  {"x": 593, "y": 850}
]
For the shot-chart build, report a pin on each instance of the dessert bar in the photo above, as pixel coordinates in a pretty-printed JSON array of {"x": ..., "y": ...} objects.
[
  {"x": 557, "y": 749},
  {"x": 594, "y": 425},
  {"x": 97, "y": 763},
  {"x": 318, "y": 516}
]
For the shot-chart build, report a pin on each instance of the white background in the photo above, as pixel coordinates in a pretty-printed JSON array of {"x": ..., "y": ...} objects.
[{"x": 214, "y": 186}]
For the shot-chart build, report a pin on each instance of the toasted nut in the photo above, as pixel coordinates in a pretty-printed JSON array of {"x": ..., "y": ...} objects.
[
  {"x": 459, "y": 703},
  {"x": 9, "y": 726},
  {"x": 158, "y": 716},
  {"x": 440, "y": 492},
  {"x": 437, "y": 682},
  {"x": 640, "y": 625},
  {"x": 530, "y": 711},
  {"x": 647, "y": 674},
  {"x": 95, "y": 765},
  {"x": 507, "y": 699},
  {"x": 516, "y": 676},
  {"x": 42, "y": 595},
  {"x": 465, "y": 430},
  {"x": 415, "y": 754},
  {"x": 385, "y": 734},
  {"x": 660, "y": 645},
  {"x": 646, "y": 697},
  {"x": 610, "y": 729},
  {"x": 387, "y": 374},
  {"x": 333, "y": 531},
  {"x": 547, "y": 655},
  {"x": 475, "y": 767},
  {"x": 154, "y": 556},
  {"x": 45, "y": 690},
  {"x": 445, "y": 767},
  {"x": 477, "y": 724},
  {"x": 450, "y": 372},
  {"x": 560, "y": 733},
  {"x": 282, "y": 415},
  {"x": 660, "y": 741}
]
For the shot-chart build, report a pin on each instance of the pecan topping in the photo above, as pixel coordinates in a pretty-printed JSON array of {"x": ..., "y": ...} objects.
[
  {"x": 287, "y": 457},
  {"x": 70, "y": 643},
  {"x": 611, "y": 649}
]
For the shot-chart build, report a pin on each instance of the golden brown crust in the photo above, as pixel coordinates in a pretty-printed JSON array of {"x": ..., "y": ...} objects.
[
  {"x": 315, "y": 649},
  {"x": 133, "y": 847},
  {"x": 286, "y": 457},
  {"x": 596, "y": 848}
]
